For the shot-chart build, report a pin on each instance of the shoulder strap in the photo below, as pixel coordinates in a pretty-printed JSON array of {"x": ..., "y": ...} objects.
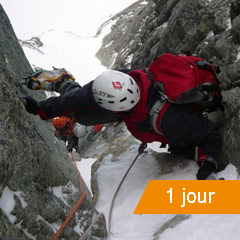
[
  {"x": 206, "y": 65},
  {"x": 154, "y": 114},
  {"x": 157, "y": 88}
]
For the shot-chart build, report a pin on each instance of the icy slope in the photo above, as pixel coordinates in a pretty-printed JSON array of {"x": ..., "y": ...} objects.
[
  {"x": 113, "y": 161},
  {"x": 157, "y": 166}
]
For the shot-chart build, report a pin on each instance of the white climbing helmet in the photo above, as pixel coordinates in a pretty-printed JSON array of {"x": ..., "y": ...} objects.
[
  {"x": 115, "y": 91},
  {"x": 79, "y": 130}
]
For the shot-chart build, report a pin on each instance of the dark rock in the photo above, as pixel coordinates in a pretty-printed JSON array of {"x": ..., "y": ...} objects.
[
  {"x": 33, "y": 43},
  {"x": 9, "y": 231},
  {"x": 125, "y": 38},
  {"x": 235, "y": 9},
  {"x": 32, "y": 162},
  {"x": 236, "y": 29},
  {"x": 209, "y": 29}
]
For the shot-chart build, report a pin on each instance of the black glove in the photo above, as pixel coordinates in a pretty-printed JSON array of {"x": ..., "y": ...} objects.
[
  {"x": 72, "y": 143},
  {"x": 31, "y": 105},
  {"x": 205, "y": 170},
  {"x": 69, "y": 148}
]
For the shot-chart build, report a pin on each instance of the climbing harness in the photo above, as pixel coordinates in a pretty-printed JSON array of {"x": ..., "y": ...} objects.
[{"x": 140, "y": 151}]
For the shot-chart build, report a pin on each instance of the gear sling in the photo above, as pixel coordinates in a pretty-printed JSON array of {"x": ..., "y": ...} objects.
[{"x": 183, "y": 79}]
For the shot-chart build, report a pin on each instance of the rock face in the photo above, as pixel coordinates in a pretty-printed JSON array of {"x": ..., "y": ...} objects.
[
  {"x": 39, "y": 183},
  {"x": 210, "y": 29},
  {"x": 33, "y": 43}
]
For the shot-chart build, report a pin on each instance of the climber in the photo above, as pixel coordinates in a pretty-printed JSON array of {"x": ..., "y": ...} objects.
[
  {"x": 67, "y": 129},
  {"x": 64, "y": 131},
  {"x": 74, "y": 134},
  {"x": 145, "y": 104}
]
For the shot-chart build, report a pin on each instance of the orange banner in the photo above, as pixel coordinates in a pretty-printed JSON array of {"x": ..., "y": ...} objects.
[{"x": 190, "y": 197}]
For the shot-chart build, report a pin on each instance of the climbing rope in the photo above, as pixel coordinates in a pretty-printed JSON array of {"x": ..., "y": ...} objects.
[
  {"x": 69, "y": 216},
  {"x": 77, "y": 204},
  {"x": 85, "y": 234},
  {"x": 79, "y": 174},
  {"x": 140, "y": 151},
  {"x": 79, "y": 201},
  {"x": 91, "y": 225}
]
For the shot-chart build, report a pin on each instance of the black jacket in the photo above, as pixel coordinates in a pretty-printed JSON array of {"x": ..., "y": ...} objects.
[
  {"x": 180, "y": 125},
  {"x": 79, "y": 101}
]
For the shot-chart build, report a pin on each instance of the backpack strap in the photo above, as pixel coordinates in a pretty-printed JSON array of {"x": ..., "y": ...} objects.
[
  {"x": 159, "y": 102},
  {"x": 206, "y": 65},
  {"x": 157, "y": 88},
  {"x": 154, "y": 113}
]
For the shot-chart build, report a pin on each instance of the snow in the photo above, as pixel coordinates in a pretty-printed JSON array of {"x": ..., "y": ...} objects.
[
  {"x": 129, "y": 60},
  {"x": 84, "y": 166},
  {"x": 62, "y": 192},
  {"x": 213, "y": 226},
  {"x": 30, "y": 18},
  {"x": 208, "y": 1},
  {"x": 238, "y": 56},
  {"x": 7, "y": 203},
  {"x": 20, "y": 196},
  {"x": 155, "y": 146},
  {"x": 229, "y": 23},
  {"x": 164, "y": 25},
  {"x": 54, "y": 226},
  {"x": 26, "y": 231},
  {"x": 114, "y": 57},
  {"x": 68, "y": 32},
  {"x": 144, "y": 2},
  {"x": 210, "y": 34},
  {"x": 72, "y": 52},
  {"x": 72, "y": 44},
  {"x": 109, "y": 44},
  {"x": 57, "y": 191},
  {"x": 126, "y": 225}
]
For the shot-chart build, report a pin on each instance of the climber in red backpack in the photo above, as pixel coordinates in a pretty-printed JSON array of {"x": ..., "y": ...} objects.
[{"x": 164, "y": 103}]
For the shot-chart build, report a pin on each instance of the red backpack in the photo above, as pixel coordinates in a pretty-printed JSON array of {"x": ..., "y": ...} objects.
[{"x": 183, "y": 79}]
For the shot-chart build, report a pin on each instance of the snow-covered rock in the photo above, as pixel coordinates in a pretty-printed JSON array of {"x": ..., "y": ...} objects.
[{"x": 39, "y": 183}]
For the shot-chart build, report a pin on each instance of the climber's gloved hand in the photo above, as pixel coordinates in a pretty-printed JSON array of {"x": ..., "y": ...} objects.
[
  {"x": 207, "y": 167},
  {"x": 69, "y": 147},
  {"x": 31, "y": 105}
]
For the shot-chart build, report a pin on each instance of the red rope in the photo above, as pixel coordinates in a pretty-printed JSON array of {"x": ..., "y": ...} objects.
[
  {"x": 69, "y": 216},
  {"x": 76, "y": 207},
  {"x": 79, "y": 174},
  {"x": 77, "y": 204}
]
